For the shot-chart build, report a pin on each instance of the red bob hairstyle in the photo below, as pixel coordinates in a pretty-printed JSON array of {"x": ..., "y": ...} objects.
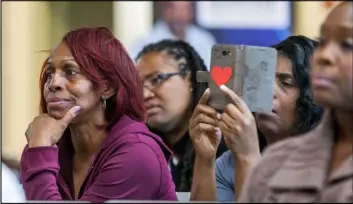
[{"x": 104, "y": 61}]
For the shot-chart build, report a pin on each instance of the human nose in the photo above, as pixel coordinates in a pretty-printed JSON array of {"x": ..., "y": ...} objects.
[
  {"x": 56, "y": 83},
  {"x": 275, "y": 91},
  {"x": 325, "y": 55},
  {"x": 147, "y": 93}
]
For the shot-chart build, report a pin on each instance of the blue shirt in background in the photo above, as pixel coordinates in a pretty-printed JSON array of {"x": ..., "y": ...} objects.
[{"x": 225, "y": 177}]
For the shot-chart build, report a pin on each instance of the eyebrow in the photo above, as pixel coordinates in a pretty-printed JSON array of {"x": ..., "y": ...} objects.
[
  {"x": 284, "y": 75},
  {"x": 153, "y": 74},
  {"x": 64, "y": 59}
]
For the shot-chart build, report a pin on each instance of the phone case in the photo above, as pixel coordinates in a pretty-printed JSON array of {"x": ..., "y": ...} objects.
[{"x": 248, "y": 70}]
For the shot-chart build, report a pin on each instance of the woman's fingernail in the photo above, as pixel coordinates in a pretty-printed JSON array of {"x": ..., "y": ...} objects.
[
  {"x": 219, "y": 116},
  {"x": 218, "y": 132},
  {"x": 78, "y": 108},
  {"x": 223, "y": 87}
]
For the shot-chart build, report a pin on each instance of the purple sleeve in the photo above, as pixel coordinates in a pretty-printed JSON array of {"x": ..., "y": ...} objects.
[
  {"x": 133, "y": 172},
  {"x": 39, "y": 168}
]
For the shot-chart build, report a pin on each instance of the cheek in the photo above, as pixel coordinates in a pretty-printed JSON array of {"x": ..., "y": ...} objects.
[
  {"x": 175, "y": 96},
  {"x": 45, "y": 90},
  {"x": 84, "y": 93},
  {"x": 287, "y": 102},
  {"x": 346, "y": 73}
]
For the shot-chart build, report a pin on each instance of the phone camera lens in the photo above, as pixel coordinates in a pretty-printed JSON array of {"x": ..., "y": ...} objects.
[{"x": 225, "y": 53}]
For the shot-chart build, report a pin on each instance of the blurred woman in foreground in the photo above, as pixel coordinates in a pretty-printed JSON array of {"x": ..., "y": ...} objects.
[{"x": 317, "y": 167}]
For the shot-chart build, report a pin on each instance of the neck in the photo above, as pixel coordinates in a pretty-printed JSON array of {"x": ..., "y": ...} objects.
[
  {"x": 344, "y": 121},
  {"x": 174, "y": 136},
  {"x": 180, "y": 35},
  {"x": 274, "y": 136},
  {"x": 88, "y": 136},
  {"x": 178, "y": 32}
]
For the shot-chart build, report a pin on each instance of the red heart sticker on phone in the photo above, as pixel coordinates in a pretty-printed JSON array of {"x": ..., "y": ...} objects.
[{"x": 221, "y": 75}]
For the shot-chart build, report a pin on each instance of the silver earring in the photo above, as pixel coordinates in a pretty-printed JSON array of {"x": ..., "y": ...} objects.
[
  {"x": 191, "y": 89},
  {"x": 104, "y": 103}
]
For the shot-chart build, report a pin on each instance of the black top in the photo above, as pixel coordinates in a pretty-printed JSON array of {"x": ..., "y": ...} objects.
[{"x": 180, "y": 148}]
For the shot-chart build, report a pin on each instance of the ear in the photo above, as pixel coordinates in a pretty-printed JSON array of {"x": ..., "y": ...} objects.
[{"x": 108, "y": 92}]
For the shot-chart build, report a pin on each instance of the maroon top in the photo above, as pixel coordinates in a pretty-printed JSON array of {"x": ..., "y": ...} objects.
[{"x": 131, "y": 164}]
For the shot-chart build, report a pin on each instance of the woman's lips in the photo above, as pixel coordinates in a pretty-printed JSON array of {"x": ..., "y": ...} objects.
[
  {"x": 60, "y": 104},
  {"x": 320, "y": 82},
  {"x": 152, "y": 110},
  {"x": 273, "y": 113}
]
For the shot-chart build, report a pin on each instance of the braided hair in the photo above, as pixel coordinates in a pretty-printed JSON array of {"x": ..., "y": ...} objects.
[{"x": 181, "y": 50}]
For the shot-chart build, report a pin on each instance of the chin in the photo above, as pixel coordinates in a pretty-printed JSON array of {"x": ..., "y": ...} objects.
[
  {"x": 325, "y": 97},
  {"x": 268, "y": 128},
  {"x": 326, "y": 100},
  {"x": 154, "y": 122},
  {"x": 56, "y": 114},
  {"x": 159, "y": 124}
]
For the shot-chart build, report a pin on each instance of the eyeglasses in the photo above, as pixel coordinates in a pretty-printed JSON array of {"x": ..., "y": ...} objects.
[{"x": 154, "y": 82}]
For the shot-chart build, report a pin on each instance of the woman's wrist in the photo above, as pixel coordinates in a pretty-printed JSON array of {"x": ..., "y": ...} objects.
[
  {"x": 205, "y": 162},
  {"x": 247, "y": 160},
  {"x": 39, "y": 143}
]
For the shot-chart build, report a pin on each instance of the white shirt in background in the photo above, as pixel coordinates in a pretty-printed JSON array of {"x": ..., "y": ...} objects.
[
  {"x": 12, "y": 191},
  {"x": 200, "y": 39}
]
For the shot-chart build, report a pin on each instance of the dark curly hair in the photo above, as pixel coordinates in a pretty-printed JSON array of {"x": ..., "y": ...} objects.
[
  {"x": 299, "y": 50},
  {"x": 178, "y": 50}
]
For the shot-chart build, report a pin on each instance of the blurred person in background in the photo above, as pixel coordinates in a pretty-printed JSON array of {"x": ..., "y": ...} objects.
[
  {"x": 317, "y": 166},
  {"x": 294, "y": 112},
  {"x": 176, "y": 23},
  {"x": 12, "y": 191},
  {"x": 91, "y": 143},
  {"x": 168, "y": 71}
]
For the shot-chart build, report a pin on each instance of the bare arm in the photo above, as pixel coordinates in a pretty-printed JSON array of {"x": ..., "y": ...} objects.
[
  {"x": 204, "y": 182},
  {"x": 244, "y": 167}
]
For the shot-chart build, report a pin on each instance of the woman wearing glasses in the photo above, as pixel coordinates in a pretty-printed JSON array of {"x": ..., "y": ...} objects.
[{"x": 168, "y": 71}]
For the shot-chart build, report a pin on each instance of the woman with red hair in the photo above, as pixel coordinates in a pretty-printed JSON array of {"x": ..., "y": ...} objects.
[{"x": 90, "y": 143}]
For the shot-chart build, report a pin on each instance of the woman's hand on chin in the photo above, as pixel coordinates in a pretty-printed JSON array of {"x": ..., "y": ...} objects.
[{"x": 45, "y": 130}]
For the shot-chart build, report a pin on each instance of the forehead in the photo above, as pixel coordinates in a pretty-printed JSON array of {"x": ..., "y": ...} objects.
[
  {"x": 284, "y": 65},
  {"x": 60, "y": 52},
  {"x": 341, "y": 15},
  {"x": 156, "y": 62}
]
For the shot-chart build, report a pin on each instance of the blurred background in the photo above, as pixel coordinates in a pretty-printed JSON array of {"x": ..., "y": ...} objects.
[{"x": 29, "y": 27}]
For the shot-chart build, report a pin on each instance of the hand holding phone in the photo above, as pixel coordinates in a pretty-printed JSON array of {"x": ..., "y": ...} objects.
[{"x": 249, "y": 71}]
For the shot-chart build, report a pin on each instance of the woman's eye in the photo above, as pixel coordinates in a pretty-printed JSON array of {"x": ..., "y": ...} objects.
[
  {"x": 286, "y": 83},
  {"x": 71, "y": 72},
  {"x": 156, "y": 80},
  {"x": 347, "y": 46},
  {"x": 48, "y": 75}
]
